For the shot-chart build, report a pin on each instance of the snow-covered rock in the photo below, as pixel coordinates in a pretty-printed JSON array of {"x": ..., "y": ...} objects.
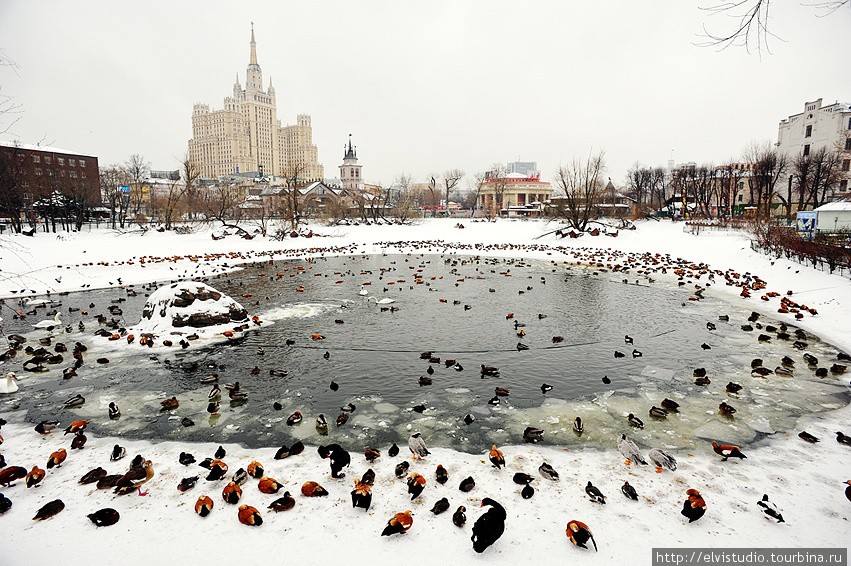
[{"x": 173, "y": 308}]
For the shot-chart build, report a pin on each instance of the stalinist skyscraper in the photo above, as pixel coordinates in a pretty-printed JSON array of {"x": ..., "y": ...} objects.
[{"x": 246, "y": 135}]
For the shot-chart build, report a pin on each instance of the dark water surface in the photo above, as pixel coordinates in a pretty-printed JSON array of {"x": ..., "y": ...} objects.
[{"x": 456, "y": 307}]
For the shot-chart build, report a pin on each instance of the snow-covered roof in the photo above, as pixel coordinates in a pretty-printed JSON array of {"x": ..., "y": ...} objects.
[
  {"x": 47, "y": 148},
  {"x": 834, "y": 206}
]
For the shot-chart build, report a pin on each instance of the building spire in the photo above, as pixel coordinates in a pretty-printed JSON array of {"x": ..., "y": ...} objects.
[{"x": 253, "y": 60}]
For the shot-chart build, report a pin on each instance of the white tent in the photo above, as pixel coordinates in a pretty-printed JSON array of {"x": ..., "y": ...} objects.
[{"x": 834, "y": 217}]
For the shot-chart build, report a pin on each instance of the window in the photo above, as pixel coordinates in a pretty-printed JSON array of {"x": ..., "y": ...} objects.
[
  {"x": 83, "y": 175},
  {"x": 71, "y": 163},
  {"x": 806, "y": 150},
  {"x": 809, "y": 132},
  {"x": 82, "y": 163},
  {"x": 741, "y": 186},
  {"x": 38, "y": 171},
  {"x": 741, "y": 198},
  {"x": 36, "y": 159},
  {"x": 846, "y": 164},
  {"x": 48, "y": 159},
  {"x": 61, "y": 160},
  {"x": 847, "y": 144},
  {"x": 73, "y": 174},
  {"x": 843, "y": 185}
]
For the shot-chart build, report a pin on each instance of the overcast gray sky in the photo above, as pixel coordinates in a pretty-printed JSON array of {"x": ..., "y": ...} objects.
[{"x": 421, "y": 86}]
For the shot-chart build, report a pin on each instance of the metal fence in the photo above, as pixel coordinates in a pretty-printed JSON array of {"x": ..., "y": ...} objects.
[{"x": 815, "y": 263}]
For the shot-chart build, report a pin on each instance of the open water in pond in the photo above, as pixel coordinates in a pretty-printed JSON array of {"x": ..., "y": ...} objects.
[{"x": 458, "y": 308}]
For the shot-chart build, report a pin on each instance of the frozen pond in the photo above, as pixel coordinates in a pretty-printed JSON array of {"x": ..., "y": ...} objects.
[{"x": 459, "y": 308}]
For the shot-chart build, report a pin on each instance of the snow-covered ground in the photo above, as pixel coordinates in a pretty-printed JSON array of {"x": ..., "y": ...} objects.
[{"x": 805, "y": 480}]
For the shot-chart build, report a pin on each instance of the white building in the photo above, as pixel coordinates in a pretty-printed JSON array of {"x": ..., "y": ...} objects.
[
  {"x": 817, "y": 127},
  {"x": 350, "y": 172}
]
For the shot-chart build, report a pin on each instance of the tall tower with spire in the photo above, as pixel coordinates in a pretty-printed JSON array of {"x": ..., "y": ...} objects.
[
  {"x": 350, "y": 171},
  {"x": 246, "y": 135}
]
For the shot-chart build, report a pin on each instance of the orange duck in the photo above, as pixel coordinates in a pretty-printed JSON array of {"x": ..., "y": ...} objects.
[
  {"x": 232, "y": 493},
  {"x": 313, "y": 489},
  {"x": 204, "y": 505},
  {"x": 10, "y": 474},
  {"x": 398, "y": 524},
  {"x": 727, "y": 451},
  {"x": 56, "y": 458},
  {"x": 694, "y": 507},
  {"x": 416, "y": 484},
  {"x": 496, "y": 458},
  {"x": 269, "y": 485},
  {"x": 248, "y": 515},
  {"x": 361, "y": 495},
  {"x": 76, "y": 426},
  {"x": 35, "y": 476},
  {"x": 255, "y": 470},
  {"x": 579, "y": 534}
]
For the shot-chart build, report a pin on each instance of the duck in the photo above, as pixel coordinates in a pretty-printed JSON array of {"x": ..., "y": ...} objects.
[
  {"x": 362, "y": 495},
  {"x": 76, "y": 426},
  {"x": 578, "y": 427},
  {"x": 218, "y": 469},
  {"x": 627, "y": 339},
  {"x": 786, "y": 372},
  {"x": 635, "y": 421},
  {"x": 459, "y": 518},
  {"x": 804, "y": 435},
  {"x": 502, "y": 392},
  {"x": 184, "y": 458},
  {"x": 469, "y": 419},
  {"x": 321, "y": 425},
  {"x": 240, "y": 477},
  {"x": 489, "y": 371},
  {"x": 579, "y": 534},
  {"x": 342, "y": 418},
  {"x": 489, "y": 527},
  {"x": 532, "y": 434},
  {"x": 56, "y": 459},
  {"x": 79, "y": 440},
  {"x": 733, "y": 387},
  {"x": 440, "y": 506},
  {"x": 417, "y": 446},
  {"x": 338, "y": 457},
  {"x": 842, "y": 438},
  {"x": 848, "y": 489},
  {"x": 255, "y": 469},
  {"x": 283, "y": 503},
  {"x": 7, "y": 384},
  {"x": 423, "y": 381},
  {"x": 213, "y": 408},
  {"x": 105, "y": 517},
  {"x": 636, "y": 354},
  {"x": 49, "y": 324},
  {"x": 694, "y": 506},
  {"x": 49, "y": 510},
  {"x": 726, "y": 409},
  {"x": 670, "y": 405},
  {"x": 398, "y": 524},
  {"x": 187, "y": 483},
  {"x": 630, "y": 451},
  {"x": 75, "y": 401},
  {"x": 294, "y": 419},
  {"x": 118, "y": 452},
  {"x": 113, "y": 411},
  {"x": 496, "y": 457},
  {"x": 248, "y": 515},
  {"x": 12, "y": 473},
  {"x": 45, "y": 427},
  {"x": 401, "y": 469},
  {"x": 702, "y": 381},
  {"x": 769, "y": 509},
  {"x": 5, "y": 503},
  {"x": 203, "y": 506},
  {"x": 269, "y": 485},
  {"x": 393, "y": 451},
  {"x": 416, "y": 484},
  {"x": 727, "y": 451},
  {"x": 548, "y": 471},
  {"x": 546, "y": 388},
  {"x": 761, "y": 371},
  {"x": 521, "y": 478},
  {"x": 467, "y": 484},
  {"x": 441, "y": 475},
  {"x": 619, "y": 354},
  {"x": 170, "y": 404},
  {"x": 232, "y": 493},
  {"x": 134, "y": 478},
  {"x": 371, "y": 454},
  {"x": 34, "y": 477},
  {"x": 662, "y": 460},
  {"x": 595, "y": 494},
  {"x": 629, "y": 491},
  {"x": 658, "y": 413},
  {"x": 92, "y": 476},
  {"x": 313, "y": 489}
]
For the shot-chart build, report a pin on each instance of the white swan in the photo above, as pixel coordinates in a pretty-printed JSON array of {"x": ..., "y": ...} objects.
[
  {"x": 8, "y": 385},
  {"x": 49, "y": 324},
  {"x": 362, "y": 291},
  {"x": 382, "y": 301}
]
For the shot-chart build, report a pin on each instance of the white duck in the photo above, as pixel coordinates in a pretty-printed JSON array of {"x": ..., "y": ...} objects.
[
  {"x": 49, "y": 324},
  {"x": 363, "y": 292},
  {"x": 8, "y": 385},
  {"x": 382, "y": 301}
]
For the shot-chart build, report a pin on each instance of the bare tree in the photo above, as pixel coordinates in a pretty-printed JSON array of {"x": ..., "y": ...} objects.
[
  {"x": 638, "y": 183},
  {"x": 8, "y": 107},
  {"x": 751, "y": 27},
  {"x": 13, "y": 184},
  {"x": 223, "y": 202},
  {"x": 816, "y": 174},
  {"x": 767, "y": 167},
  {"x": 475, "y": 185},
  {"x": 433, "y": 197},
  {"x": 138, "y": 171},
  {"x": 498, "y": 182},
  {"x": 168, "y": 202},
  {"x": 291, "y": 205},
  {"x": 582, "y": 185},
  {"x": 451, "y": 178},
  {"x": 191, "y": 190},
  {"x": 728, "y": 178},
  {"x": 658, "y": 186}
]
